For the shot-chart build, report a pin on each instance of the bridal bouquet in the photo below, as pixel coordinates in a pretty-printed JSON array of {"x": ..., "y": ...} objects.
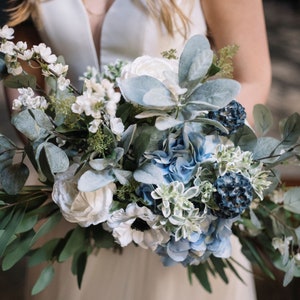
[{"x": 154, "y": 152}]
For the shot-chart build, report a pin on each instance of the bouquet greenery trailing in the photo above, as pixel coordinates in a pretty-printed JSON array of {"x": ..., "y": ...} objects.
[{"x": 154, "y": 152}]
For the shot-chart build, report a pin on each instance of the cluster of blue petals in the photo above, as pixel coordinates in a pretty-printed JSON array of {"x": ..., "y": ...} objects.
[
  {"x": 234, "y": 193},
  {"x": 232, "y": 116},
  {"x": 213, "y": 241}
]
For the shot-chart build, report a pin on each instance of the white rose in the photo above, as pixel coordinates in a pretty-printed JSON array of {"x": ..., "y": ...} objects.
[
  {"x": 84, "y": 208},
  {"x": 152, "y": 66},
  {"x": 164, "y": 70}
]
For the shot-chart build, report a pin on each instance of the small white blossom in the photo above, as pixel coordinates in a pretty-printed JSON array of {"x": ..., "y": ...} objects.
[
  {"x": 63, "y": 83},
  {"x": 116, "y": 126},
  {"x": 45, "y": 53},
  {"x": 15, "y": 69},
  {"x": 281, "y": 244},
  {"x": 59, "y": 69},
  {"x": 8, "y": 48},
  {"x": 29, "y": 100},
  {"x": 6, "y": 33},
  {"x": 94, "y": 125}
]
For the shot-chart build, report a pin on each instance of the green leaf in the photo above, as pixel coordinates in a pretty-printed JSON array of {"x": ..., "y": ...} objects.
[
  {"x": 78, "y": 266},
  {"x": 265, "y": 148},
  {"x": 17, "y": 251},
  {"x": 200, "y": 272},
  {"x": 47, "y": 226},
  {"x": 219, "y": 267},
  {"x": 263, "y": 119},
  {"x": 245, "y": 138},
  {"x": 13, "y": 178},
  {"x": 291, "y": 129},
  {"x": 233, "y": 269},
  {"x": 28, "y": 222},
  {"x": 252, "y": 254},
  {"x": 20, "y": 81},
  {"x": 11, "y": 229},
  {"x": 75, "y": 242},
  {"x": 102, "y": 238},
  {"x": 291, "y": 200},
  {"x": 43, "y": 281},
  {"x": 57, "y": 159},
  {"x": 44, "y": 253}
]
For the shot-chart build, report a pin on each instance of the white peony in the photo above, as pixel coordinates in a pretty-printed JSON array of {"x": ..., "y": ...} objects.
[{"x": 84, "y": 208}]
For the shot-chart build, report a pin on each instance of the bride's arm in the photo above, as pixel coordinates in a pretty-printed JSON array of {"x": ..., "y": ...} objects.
[{"x": 242, "y": 22}]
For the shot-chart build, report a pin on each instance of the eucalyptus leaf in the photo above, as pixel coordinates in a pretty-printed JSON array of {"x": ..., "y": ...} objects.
[
  {"x": 245, "y": 138},
  {"x": 265, "y": 148},
  {"x": 263, "y": 119},
  {"x": 291, "y": 129},
  {"x": 13, "y": 178},
  {"x": 57, "y": 158},
  {"x": 26, "y": 124},
  {"x": 20, "y": 81},
  {"x": 291, "y": 200},
  {"x": 44, "y": 279}
]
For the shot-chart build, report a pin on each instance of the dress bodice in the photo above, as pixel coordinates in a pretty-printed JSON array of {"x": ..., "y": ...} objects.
[{"x": 128, "y": 31}]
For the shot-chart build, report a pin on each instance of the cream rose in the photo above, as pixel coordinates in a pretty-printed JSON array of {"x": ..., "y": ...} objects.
[{"x": 84, "y": 208}]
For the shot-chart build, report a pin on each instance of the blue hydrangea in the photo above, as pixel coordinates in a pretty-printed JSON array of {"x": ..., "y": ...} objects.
[
  {"x": 232, "y": 116},
  {"x": 213, "y": 241},
  {"x": 181, "y": 154},
  {"x": 233, "y": 194}
]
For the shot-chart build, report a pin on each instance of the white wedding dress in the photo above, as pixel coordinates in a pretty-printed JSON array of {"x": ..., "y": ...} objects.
[{"x": 128, "y": 31}]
